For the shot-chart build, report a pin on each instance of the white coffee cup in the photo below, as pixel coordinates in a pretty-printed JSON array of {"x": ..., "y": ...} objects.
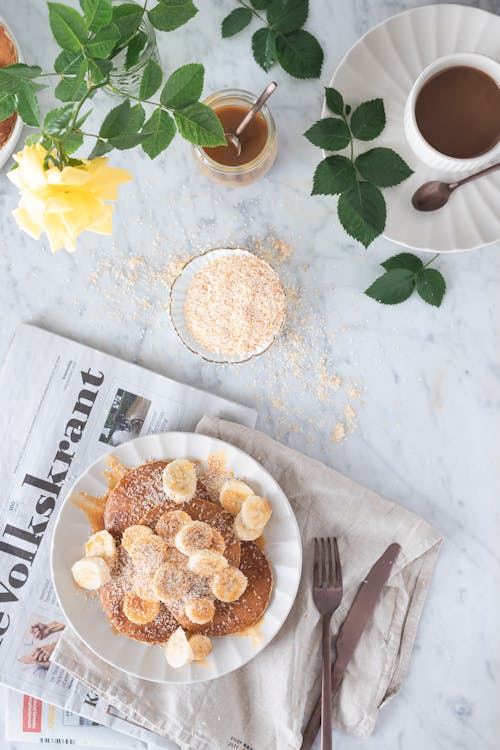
[{"x": 421, "y": 148}]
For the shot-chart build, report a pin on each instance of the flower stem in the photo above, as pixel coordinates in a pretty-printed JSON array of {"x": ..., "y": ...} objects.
[
  {"x": 431, "y": 260},
  {"x": 252, "y": 10}
]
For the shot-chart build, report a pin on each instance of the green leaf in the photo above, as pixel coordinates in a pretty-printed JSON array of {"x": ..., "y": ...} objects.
[
  {"x": 134, "y": 49},
  {"x": 127, "y": 18},
  {"x": 68, "y": 63},
  {"x": 7, "y": 105},
  {"x": 151, "y": 79},
  {"x": 362, "y": 212},
  {"x": 383, "y": 166},
  {"x": 199, "y": 124},
  {"x": 100, "y": 148},
  {"x": 32, "y": 138},
  {"x": 97, "y": 13},
  {"x": 27, "y": 106},
  {"x": 368, "y": 120},
  {"x": 103, "y": 43},
  {"x": 99, "y": 70},
  {"x": 235, "y": 21},
  {"x": 333, "y": 175},
  {"x": 403, "y": 260},
  {"x": 157, "y": 133},
  {"x": 170, "y": 14},
  {"x": 264, "y": 48},
  {"x": 331, "y": 133},
  {"x": 334, "y": 101},
  {"x": 72, "y": 142},
  {"x": 72, "y": 88},
  {"x": 184, "y": 86},
  {"x": 431, "y": 286},
  {"x": 57, "y": 119},
  {"x": 67, "y": 26},
  {"x": 13, "y": 77},
  {"x": 260, "y": 4},
  {"x": 300, "y": 54},
  {"x": 393, "y": 287},
  {"x": 287, "y": 15},
  {"x": 121, "y": 126}
]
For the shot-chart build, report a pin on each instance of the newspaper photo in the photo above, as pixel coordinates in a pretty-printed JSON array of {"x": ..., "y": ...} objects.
[{"x": 63, "y": 405}]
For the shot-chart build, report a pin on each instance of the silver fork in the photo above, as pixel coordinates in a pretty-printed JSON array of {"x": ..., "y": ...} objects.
[{"x": 327, "y": 595}]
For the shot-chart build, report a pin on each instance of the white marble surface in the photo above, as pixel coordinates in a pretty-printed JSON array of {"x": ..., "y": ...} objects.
[{"x": 428, "y": 411}]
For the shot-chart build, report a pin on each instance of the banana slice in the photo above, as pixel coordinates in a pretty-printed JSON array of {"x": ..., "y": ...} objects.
[
  {"x": 200, "y": 610},
  {"x": 179, "y": 480},
  {"x": 243, "y": 532},
  {"x": 194, "y": 536},
  {"x": 139, "y": 611},
  {"x": 178, "y": 649},
  {"x": 148, "y": 553},
  {"x": 229, "y": 584},
  {"x": 170, "y": 523},
  {"x": 201, "y": 645},
  {"x": 255, "y": 512},
  {"x": 91, "y": 573},
  {"x": 206, "y": 563},
  {"x": 133, "y": 533},
  {"x": 101, "y": 544},
  {"x": 233, "y": 494},
  {"x": 144, "y": 586},
  {"x": 218, "y": 544},
  {"x": 171, "y": 583}
]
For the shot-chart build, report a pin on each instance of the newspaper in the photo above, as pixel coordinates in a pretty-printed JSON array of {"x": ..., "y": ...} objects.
[
  {"x": 62, "y": 405},
  {"x": 31, "y": 720}
]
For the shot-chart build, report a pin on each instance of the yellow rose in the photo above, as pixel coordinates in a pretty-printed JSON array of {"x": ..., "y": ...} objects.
[{"x": 64, "y": 202}]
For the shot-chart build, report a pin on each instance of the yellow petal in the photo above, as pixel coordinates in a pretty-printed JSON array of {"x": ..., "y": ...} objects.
[
  {"x": 68, "y": 176},
  {"x": 27, "y": 222},
  {"x": 30, "y": 172},
  {"x": 104, "y": 223},
  {"x": 104, "y": 181},
  {"x": 58, "y": 234}
]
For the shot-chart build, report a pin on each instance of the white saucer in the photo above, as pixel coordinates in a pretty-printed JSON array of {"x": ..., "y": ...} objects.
[{"x": 384, "y": 63}]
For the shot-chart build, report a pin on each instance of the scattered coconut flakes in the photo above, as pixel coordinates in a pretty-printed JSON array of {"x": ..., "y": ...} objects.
[
  {"x": 350, "y": 415},
  {"x": 353, "y": 390},
  {"x": 327, "y": 382},
  {"x": 338, "y": 433},
  {"x": 278, "y": 403}
]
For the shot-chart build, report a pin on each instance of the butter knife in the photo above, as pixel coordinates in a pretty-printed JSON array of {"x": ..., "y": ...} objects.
[{"x": 356, "y": 621}]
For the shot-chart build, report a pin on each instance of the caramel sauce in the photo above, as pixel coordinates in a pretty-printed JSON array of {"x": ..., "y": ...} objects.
[
  {"x": 253, "y": 139},
  {"x": 8, "y": 56},
  {"x": 254, "y": 632},
  {"x": 93, "y": 507},
  {"x": 458, "y": 112}
]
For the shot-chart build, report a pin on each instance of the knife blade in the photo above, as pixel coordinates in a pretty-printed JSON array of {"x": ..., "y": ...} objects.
[{"x": 356, "y": 621}]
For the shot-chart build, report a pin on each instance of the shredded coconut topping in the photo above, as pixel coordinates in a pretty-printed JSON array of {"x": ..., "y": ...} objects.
[{"x": 235, "y": 305}]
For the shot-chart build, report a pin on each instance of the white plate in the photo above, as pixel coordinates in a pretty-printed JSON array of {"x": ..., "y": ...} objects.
[
  {"x": 10, "y": 144},
  {"x": 84, "y": 612},
  {"x": 178, "y": 293},
  {"x": 385, "y": 63}
]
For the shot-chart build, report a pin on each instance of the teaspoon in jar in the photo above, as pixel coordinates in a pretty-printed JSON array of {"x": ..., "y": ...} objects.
[
  {"x": 234, "y": 138},
  {"x": 435, "y": 194}
]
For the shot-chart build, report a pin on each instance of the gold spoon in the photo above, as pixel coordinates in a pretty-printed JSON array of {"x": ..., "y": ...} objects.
[
  {"x": 435, "y": 194},
  {"x": 234, "y": 138}
]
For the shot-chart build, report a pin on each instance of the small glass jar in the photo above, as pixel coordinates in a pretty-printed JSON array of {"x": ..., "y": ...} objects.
[
  {"x": 242, "y": 174},
  {"x": 129, "y": 81}
]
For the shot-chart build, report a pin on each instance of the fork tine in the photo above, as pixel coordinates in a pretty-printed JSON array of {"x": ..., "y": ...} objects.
[
  {"x": 316, "y": 569},
  {"x": 338, "y": 566},
  {"x": 330, "y": 563},
  {"x": 324, "y": 577}
]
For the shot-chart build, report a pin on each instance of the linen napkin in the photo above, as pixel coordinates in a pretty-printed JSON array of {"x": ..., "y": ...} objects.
[{"x": 264, "y": 705}]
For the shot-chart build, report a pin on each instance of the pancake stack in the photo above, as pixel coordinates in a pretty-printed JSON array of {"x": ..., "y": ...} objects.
[{"x": 179, "y": 567}]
